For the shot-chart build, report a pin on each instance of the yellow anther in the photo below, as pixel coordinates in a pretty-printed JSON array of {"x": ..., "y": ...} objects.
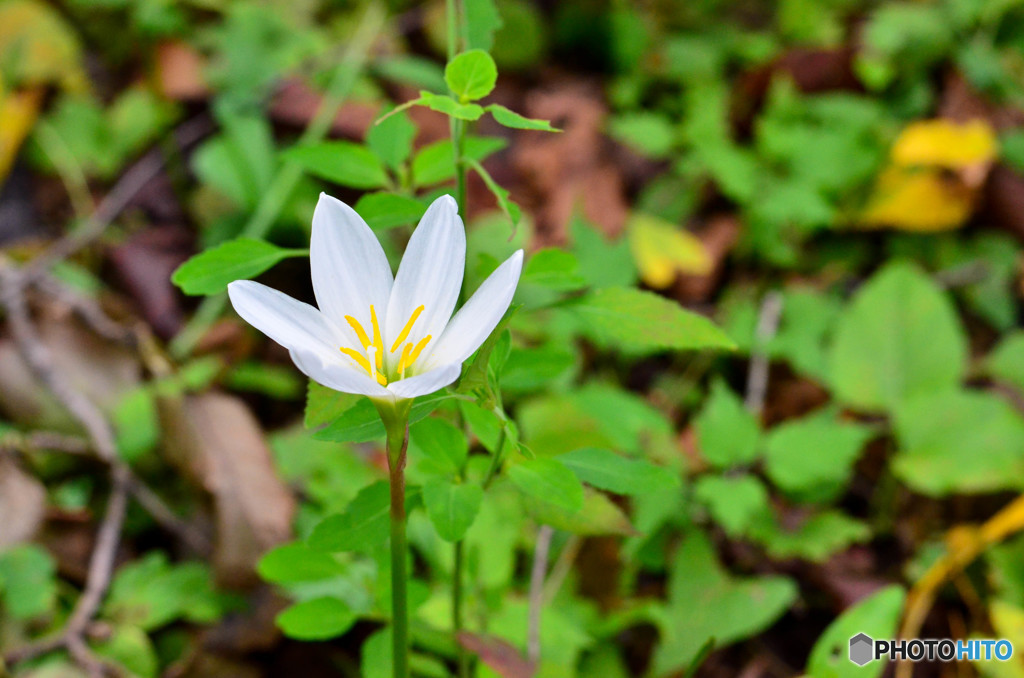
[
  {"x": 408, "y": 327},
  {"x": 405, "y": 359},
  {"x": 378, "y": 342},
  {"x": 419, "y": 348},
  {"x": 360, "y": 332},
  {"x": 381, "y": 379},
  {"x": 358, "y": 357}
]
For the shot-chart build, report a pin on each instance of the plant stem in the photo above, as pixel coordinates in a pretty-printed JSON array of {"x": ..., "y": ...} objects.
[
  {"x": 284, "y": 182},
  {"x": 397, "y": 444},
  {"x": 457, "y": 127},
  {"x": 462, "y": 659}
]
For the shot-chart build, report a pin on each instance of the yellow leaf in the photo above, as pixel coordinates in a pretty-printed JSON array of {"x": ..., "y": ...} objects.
[
  {"x": 661, "y": 251},
  {"x": 918, "y": 200},
  {"x": 18, "y": 111},
  {"x": 944, "y": 143},
  {"x": 38, "y": 47}
]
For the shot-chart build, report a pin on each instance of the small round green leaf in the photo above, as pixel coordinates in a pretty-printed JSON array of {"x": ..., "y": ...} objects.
[
  {"x": 471, "y": 75},
  {"x": 317, "y": 619}
]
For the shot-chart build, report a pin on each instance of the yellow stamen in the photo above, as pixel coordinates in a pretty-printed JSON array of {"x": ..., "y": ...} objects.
[
  {"x": 408, "y": 327},
  {"x": 358, "y": 357},
  {"x": 377, "y": 341},
  {"x": 405, "y": 359},
  {"x": 360, "y": 332},
  {"x": 381, "y": 379},
  {"x": 419, "y": 347}
]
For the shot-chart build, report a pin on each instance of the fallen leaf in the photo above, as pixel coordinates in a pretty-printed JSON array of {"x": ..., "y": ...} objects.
[
  {"x": 217, "y": 440},
  {"x": 918, "y": 200},
  {"x": 498, "y": 654},
  {"x": 39, "y": 47},
  {"x": 18, "y": 112},
  {"x": 22, "y": 504},
  {"x": 662, "y": 250},
  {"x": 946, "y": 144},
  {"x": 719, "y": 236}
]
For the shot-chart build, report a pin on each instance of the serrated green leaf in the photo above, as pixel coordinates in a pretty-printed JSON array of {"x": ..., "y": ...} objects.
[
  {"x": 442, "y": 444},
  {"x": 361, "y": 423},
  {"x": 210, "y": 272},
  {"x": 316, "y": 619},
  {"x": 382, "y": 211},
  {"x": 324, "y": 405},
  {"x": 452, "y": 507},
  {"x": 471, "y": 75},
  {"x": 645, "y": 322},
  {"x": 548, "y": 480},
  {"x": 342, "y": 162},
  {"x": 609, "y": 471}
]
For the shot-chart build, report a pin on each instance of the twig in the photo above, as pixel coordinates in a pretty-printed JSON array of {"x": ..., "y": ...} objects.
[
  {"x": 87, "y": 310},
  {"x": 115, "y": 202},
  {"x": 562, "y": 567},
  {"x": 540, "y": 565},
  {"x": 760, "y": 361}
]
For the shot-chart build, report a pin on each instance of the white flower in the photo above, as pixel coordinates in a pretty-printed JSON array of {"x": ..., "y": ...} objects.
[{"x": 384, "y": 337}]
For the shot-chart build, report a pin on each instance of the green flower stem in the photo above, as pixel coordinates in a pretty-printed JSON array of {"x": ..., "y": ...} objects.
[
  {"x": 462, "y": 659},
  {"x": 395, "y": 416},
  {"x": 287, "y": 177}
]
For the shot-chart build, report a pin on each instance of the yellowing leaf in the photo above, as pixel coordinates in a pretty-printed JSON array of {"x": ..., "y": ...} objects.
[
  {"x": 945, "y": 143},
  {"x": 918, "y": 200},
  {"x": 38, "y": 47},
  {"x": 18, "y": 111},
  {"x": 661, "y": 251}
]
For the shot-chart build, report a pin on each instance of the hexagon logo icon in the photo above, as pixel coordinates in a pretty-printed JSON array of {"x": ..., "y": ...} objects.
[{"x": 861, "y": 649}]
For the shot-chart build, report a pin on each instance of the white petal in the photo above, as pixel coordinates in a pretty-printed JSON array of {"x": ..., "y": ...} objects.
[
  {"x": 430, "y": 274},
  {"x": 336, "y": 375},
  {"x": 349, "y": 269},
  {"x": 425, "y": 383},
  {"x": 289, "y": 322},
  {"x": 478, "y": 317}
]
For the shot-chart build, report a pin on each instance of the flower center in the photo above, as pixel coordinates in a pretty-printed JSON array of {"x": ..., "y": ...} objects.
[{"x": 372, "y": 359}]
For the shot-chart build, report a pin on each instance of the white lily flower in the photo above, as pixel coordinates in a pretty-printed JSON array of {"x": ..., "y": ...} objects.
[{"x": 388, "y": 338}]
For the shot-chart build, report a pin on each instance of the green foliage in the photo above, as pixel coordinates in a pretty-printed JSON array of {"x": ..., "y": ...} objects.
[
  {"x": 27, "y": 581},
  {"x": 898, "y": 338},
  {"x": 452, "y": 507},
  {"x": 151, "y": 593},
  {"x": 549, "y": 481},
  {"x": 727, "y": 433},
  {"x": 606, "y": 470},
  {"x": 210, "y": 272},
  {"x": 316, "y": 619},
  {"x": 877, "y": 615},
  {"x": 362, "y": 526},
  {"x": 471, "y": 75},
  {"x": 341, "y": 162}
]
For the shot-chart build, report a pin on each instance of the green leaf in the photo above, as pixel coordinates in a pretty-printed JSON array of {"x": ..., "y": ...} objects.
[
  {"x": 452, "y": 507},
  {"x": 645, "y": 322},
  {"x": 316, "y": 619},
  {"x": 606, "y": 470},
  {"x": 435, "y": 162},
  {"x": 210, "y": 272},
  {"x": 297, "y": 562},
  {"x": 441, "y": 443},
  {"x": 812, "y": 458},
  {"x": 28, "y": 581},
  {"x": 324, "y": 405},
  {"x": 443, "y": 103},
  {"x": 898, "y": 338},
  {"x": 601, "y": 263},
  {"x": 361, "y": 423},
  {"x": 391, "y": 140},
  {"x": 382, "y": 211},
  {"x": 727, "y": 433},
  {"x": 471, "y": 75},
  {"x": 599, "y": 516},
  {"x": 151, "y": 592},
  {"x": 482, "y": 19},
  {"x": 648, "y": 133},
  {"x": 341, "y": 162},
  {"x": 510, "y": 118},
  {"x": 1006, "y": 361},
  {"x": 734, "y": 502},
  {"x": 815, "y": 539},
  {"x": 959, "y": 441},
  {"x": 136, "y": 424},
  {"x": 130, "y": 647},
  {"x": 877, "y": 616},
  {"x": 548, "y": 480},
  {"x": 553, "y": 268},
  {"x": 705, "y": 602},
  {"x": 362, "y": 526}
]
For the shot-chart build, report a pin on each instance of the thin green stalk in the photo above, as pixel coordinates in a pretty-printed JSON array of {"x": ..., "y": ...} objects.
[
  {"x": 462, "y": 659},
  {"x": 496, "y": 459},
  {"x": 284, "y": 182},
  {"x": 399, "y": 576}
]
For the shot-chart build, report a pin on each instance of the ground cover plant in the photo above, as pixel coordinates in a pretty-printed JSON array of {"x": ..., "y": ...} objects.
[{"x": 657, "y": 339}]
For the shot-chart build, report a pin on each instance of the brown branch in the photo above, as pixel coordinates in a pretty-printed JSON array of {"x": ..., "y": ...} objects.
[
  {"x": 540, "y": 566},
  {"x": 760, "y": 360}
]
